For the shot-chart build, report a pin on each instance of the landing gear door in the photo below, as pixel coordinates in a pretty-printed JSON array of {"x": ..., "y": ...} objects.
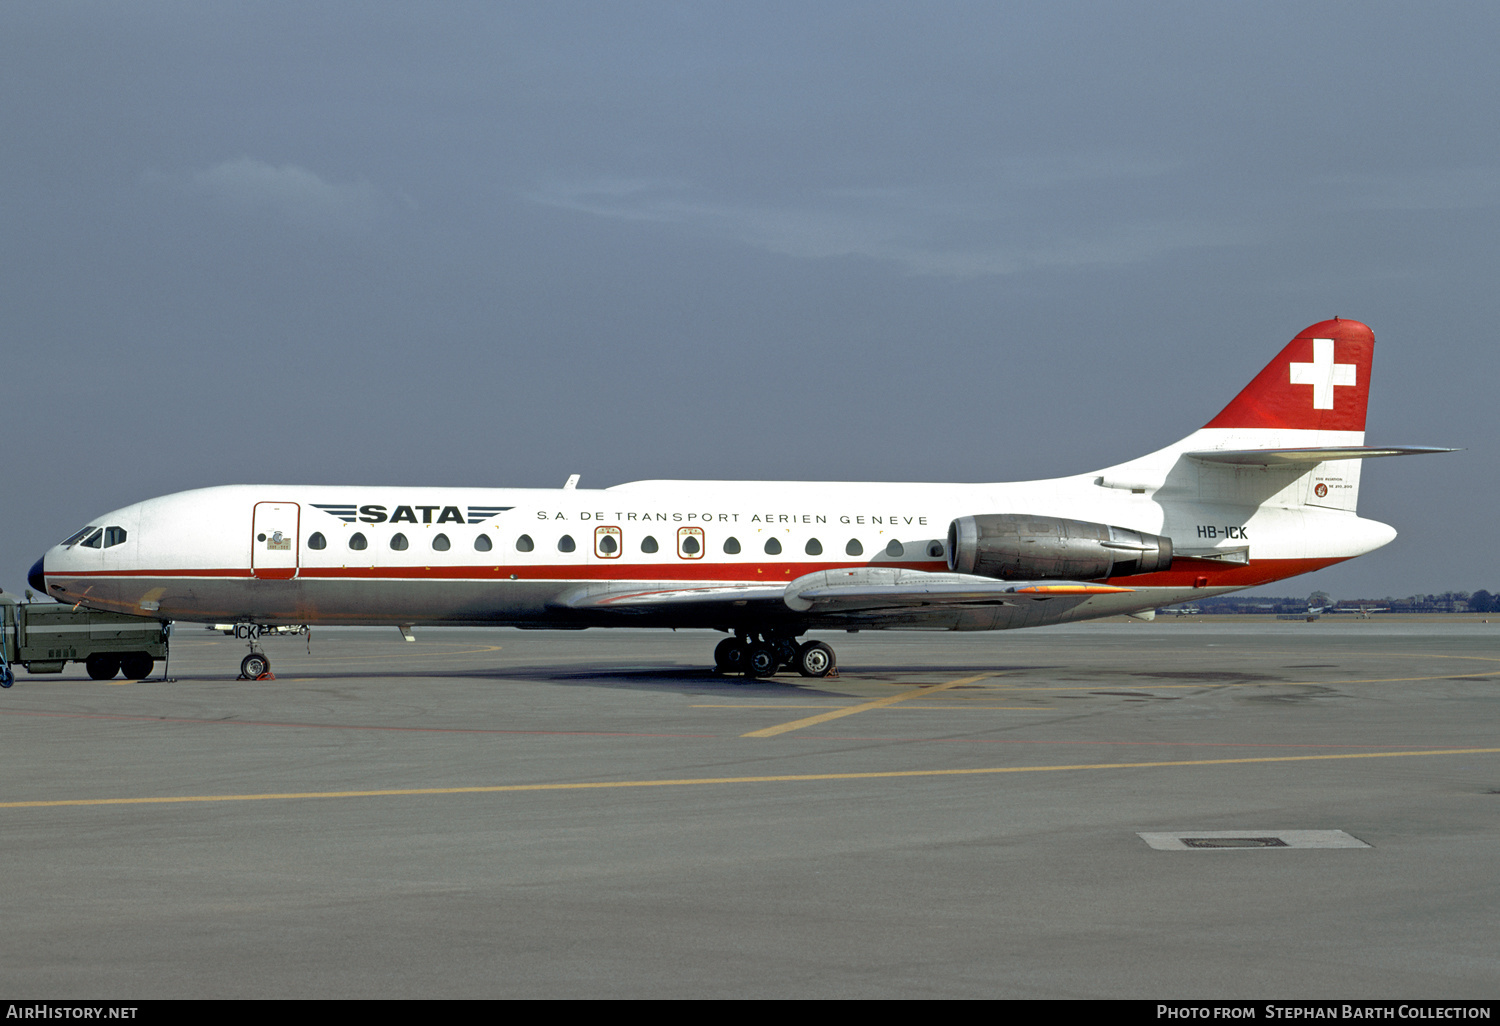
[{"x": 273, "y": 540}]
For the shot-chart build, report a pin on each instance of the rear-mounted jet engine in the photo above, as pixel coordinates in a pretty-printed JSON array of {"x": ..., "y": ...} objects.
[{"x": 1014, "y": 546}]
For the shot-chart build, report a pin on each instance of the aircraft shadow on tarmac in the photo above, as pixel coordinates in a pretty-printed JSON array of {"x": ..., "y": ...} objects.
[{"x": 668, "y": 677}]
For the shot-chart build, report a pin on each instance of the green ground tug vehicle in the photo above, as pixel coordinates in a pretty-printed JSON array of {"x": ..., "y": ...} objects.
[{"x": 45, "y": 636}]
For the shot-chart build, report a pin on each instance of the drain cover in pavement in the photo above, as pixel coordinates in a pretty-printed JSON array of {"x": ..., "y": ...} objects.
[{"x": 1221, "y": 840}]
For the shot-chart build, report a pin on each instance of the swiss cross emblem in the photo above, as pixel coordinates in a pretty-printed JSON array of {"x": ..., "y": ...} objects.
[{"x": 1322, "y": 374}]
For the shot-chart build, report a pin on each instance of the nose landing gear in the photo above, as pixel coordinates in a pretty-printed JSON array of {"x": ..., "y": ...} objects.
[
  {"x": 762, "y": 654},
  {"x": 257, "y": 665}
]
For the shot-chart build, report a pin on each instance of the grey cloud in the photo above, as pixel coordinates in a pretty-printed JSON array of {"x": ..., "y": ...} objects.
[
  {"x": 922, "y": 231},
  {"x": 291, "y": 192},
  {"x": 1447, "y": 188}
]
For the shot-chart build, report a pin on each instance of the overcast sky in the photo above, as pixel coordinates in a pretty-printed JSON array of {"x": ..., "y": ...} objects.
[{"x": 497, "y": 244}]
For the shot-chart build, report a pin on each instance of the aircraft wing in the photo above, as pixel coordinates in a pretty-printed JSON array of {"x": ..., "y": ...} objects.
[
  {"x": 1316, "y": 454},
  {"x": 874, "y": 588},
  {"x": 636, "y": 597},
  {"x": 827, "y": 592}
]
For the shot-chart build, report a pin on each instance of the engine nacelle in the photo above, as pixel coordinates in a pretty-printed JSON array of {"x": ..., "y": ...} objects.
[{"x": 1017, "y": 546}]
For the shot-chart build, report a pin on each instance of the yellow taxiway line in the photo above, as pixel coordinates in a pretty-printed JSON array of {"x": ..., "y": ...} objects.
[
  {"x": 879, "y": 703},
  {"x": 708, "y": 781}
]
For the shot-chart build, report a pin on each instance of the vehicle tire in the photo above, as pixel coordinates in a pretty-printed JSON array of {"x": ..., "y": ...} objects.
[
  {"x": 136, "y": 665},
  {"x": 102, "y": 665},
  {"x": 815, "y": 660},
  {"x": 253, "y": 665},
  {"x": 729, "y": 656},
  {"x": 760, "y": 661}
]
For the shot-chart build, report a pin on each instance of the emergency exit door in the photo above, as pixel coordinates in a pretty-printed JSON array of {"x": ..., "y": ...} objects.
[{"x": 273, "y": 540}]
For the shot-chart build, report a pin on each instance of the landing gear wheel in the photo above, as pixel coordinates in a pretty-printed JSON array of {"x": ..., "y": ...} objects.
[
  {"x": 254, "y": 665},
  {"x": 787, "y": 651},
  {"x": 729, "y": 656},
  {"x": 102, "y": 665},
  {"x": 815, "y": 659},
  {"x": 136, "y": 665},
  {"x": 760, "y": 661}
]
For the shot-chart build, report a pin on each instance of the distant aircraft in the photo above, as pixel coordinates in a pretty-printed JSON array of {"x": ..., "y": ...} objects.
[
  {"x": 1185, "y": 611},
  {"x": 1264, "y": 491}
]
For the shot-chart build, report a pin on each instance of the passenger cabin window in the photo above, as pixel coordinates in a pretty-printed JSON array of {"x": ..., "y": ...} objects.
[
  {"x": 357, "y": 542},
  {"x": 814, "y": 547},
  {"x": 398, "y": 542},
  {"x": 483, "y": 543},
  {"x": 854, "y": 548},
  {"x": 524, "y": 543},
  {"x": 690, "y": 542},
  {"x": 895, "y": 548},
  {"x": 440, "y": 543},
  {"x": 773, "y": 547},
  {"x": 732, "y": 546},
  {"x": 935, "y": 550},
  {"x": 648, "y": 544},
  {"x": 317, "y": 541},
  {"x": 566, "y": 543},
  {"x": 92, "y": 541},
  {"x": 113, "y": 536}
]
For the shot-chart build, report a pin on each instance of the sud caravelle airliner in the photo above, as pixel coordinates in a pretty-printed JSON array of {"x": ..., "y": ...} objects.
[{"x": 1264, "y": 491}]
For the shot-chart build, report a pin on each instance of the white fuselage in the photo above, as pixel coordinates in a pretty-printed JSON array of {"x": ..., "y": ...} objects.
[{"x": 365, "y": 555}]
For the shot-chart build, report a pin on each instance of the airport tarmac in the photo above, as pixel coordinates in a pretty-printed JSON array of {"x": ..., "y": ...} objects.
[{"x": 498, "y": 813}]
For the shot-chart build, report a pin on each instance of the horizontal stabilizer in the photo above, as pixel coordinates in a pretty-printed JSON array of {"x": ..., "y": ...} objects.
[{"x": 1315, "y": 454}]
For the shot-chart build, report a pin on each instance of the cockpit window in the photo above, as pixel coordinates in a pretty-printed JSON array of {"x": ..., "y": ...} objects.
[
  {"x": 75, "y": 539},
  {"x": 92, "y": 541},
  {"x": 113, "y": 536}
]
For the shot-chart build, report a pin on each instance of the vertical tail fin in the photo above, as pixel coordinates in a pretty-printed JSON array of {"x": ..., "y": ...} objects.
[{"x": 1319, "y": 382}]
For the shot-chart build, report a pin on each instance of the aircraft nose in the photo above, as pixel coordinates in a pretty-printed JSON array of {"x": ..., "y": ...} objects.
[{"x": 36, "y": 578}]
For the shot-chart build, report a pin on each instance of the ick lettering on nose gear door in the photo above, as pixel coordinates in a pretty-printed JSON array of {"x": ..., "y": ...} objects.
[{"x": 273, "y": 540}]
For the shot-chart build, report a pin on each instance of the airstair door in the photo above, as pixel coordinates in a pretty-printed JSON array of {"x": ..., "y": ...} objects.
[{"x": 273, "y": 540}]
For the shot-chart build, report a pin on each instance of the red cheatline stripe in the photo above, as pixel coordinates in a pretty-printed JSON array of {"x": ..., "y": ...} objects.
[
  {"x": 758, "y": 573},
  {"x": 1185, "y": 573}
]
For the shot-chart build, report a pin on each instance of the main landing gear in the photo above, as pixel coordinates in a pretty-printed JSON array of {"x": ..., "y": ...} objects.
[{"x": 763, "y": 654}]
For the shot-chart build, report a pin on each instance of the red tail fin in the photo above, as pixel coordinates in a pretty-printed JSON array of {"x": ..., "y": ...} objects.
[{"x": 1320, "y": 381}]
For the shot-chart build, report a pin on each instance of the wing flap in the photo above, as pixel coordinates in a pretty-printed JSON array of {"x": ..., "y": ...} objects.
[{"x": 872, "y": 588}]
